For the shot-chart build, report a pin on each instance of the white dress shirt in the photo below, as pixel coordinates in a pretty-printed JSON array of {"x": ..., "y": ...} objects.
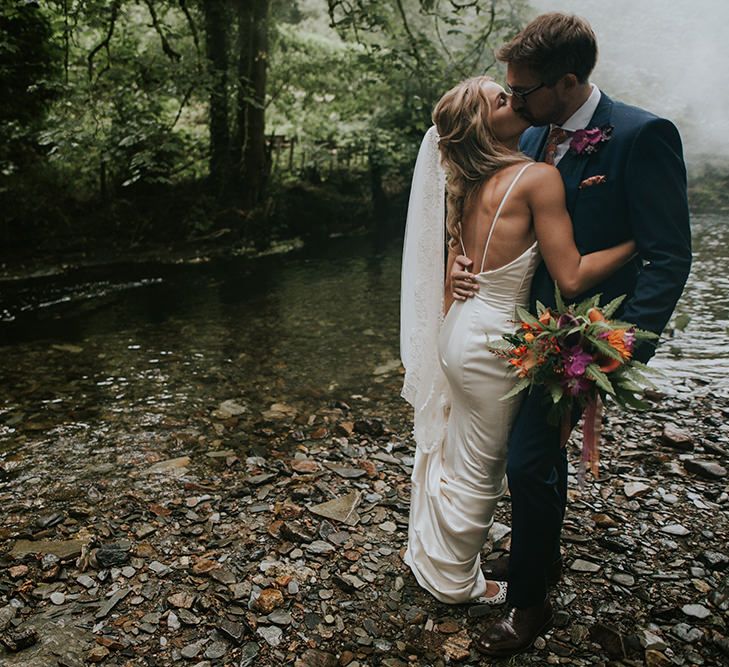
[{"x": 578, "y": 121}]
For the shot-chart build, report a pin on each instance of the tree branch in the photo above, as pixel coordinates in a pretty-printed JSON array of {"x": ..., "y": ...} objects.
[
  {"x": 166, "y": 46},
  {"x": 193, "y": 30},
  {"x": 411, "y": 36},
  {"x": 104, "y": 43}
]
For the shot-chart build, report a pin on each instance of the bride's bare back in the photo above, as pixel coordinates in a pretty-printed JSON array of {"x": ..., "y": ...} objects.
[
  {"x": 514, "y": 232},
  {"x": 535, "y": 210}
]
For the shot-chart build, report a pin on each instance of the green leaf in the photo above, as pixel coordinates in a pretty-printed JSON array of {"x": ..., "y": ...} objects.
[
  {"x": 558, "y": 299},
  {"x": 557, "y": 392},
  {"x": 516, "y": 389},
  {"x": 629, "y": 385},
  {"x": 526, "y": 316},
  {"x": 626, "y": 398},
  {"x": 601, "y": 380},
  {"x": 609, "y": 310},
  {"x": 605, "y": 348}
]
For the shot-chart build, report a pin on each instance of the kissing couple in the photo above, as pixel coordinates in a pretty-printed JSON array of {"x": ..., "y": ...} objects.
[{"x": 547, "y": 181}]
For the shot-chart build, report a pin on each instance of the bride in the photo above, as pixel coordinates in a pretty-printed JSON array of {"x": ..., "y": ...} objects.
[{"x": 510, "y": 212}]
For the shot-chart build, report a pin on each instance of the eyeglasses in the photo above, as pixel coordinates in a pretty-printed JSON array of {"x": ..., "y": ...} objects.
[{"x": 522, "y": 94}]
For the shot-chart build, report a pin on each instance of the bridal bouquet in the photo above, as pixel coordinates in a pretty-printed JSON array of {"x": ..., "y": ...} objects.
[{"x": 580, "y": 356}]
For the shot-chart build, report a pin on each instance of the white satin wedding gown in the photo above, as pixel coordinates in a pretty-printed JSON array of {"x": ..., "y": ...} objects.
[{"x": 455, "y": 487}]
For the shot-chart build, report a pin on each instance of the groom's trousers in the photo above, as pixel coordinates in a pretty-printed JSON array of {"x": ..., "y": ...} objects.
[{"x": 537, "y": 474}]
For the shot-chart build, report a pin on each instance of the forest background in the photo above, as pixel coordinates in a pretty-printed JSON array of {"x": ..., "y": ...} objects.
[{"x": 130, "y": 125}]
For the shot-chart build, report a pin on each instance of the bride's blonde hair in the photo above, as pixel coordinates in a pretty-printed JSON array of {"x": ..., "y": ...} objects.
[{"x": 469, "y": 151}]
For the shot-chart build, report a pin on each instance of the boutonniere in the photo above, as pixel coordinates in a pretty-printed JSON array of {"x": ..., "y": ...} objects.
[{"x": 587, "y": 142}]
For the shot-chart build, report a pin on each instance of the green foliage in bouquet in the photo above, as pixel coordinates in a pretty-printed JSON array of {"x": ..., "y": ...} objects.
[{"x": 577, "y": 353}]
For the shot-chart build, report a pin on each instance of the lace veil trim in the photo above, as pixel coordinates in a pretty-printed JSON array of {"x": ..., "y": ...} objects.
[{"x": 421, "y": 298}]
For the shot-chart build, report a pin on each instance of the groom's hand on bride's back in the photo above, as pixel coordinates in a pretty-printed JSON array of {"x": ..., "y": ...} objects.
[{"x": 463, "y": 285}]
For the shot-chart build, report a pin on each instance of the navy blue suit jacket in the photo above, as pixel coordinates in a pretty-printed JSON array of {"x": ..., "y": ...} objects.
[{"x": 643, "y": 198}]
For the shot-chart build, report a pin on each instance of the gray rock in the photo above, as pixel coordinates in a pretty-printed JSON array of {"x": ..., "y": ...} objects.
[
  {"x": 173, "y": 622},
  {"x": 107, "y": 606},
  {"x": 319, "y": 547},
  {"x": 705, "y": 469},
  {"x": 7, "y": 614},
  {"x": 191, "y": 650},
  {"x": 340, "y": 509},
  {"x": 686, "y": 633},
  {"x": 579, "y": 565},
  {"x": 248, "y": 654},
  {"x": 675, "y": 529},
  {"x": 216, "y": 650},
  {"x": 696, "y": 610},
  {"x": 280, "y": 617},
  {"x": 272, "y": 634},
  {"x": 623, "y": 579},
  {"x": 633, "y": 489}
]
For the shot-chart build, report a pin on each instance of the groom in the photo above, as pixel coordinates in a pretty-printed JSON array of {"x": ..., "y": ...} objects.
[{"x": 624, "y": 178}]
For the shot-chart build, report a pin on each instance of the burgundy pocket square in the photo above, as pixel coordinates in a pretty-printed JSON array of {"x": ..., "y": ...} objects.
[{"x": 593, "y": 180}]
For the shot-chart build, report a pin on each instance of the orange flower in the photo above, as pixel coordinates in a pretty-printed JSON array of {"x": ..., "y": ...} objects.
[
  {"x": 616, "y": 339},
  {"x": 545, "y": 316},
  {"x": 595, "y": 315},
  {"x": 529, "y": 337},
  {"x": 529, "y": 361}
]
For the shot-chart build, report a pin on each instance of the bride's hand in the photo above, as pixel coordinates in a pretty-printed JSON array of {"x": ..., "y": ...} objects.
[{"x": 463, "y": 285}]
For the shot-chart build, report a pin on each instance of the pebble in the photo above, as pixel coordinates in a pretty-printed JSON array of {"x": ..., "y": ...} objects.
[
  {"x": 633, "y": 489},
  {"x": 272, "y": 634},
  {"x": 216, "y": 650},
  {"x": 191, "y": 650},
  {"x": 686, "y": 633},
  {"x": 580, "y": 565},
  {"x": 705, "y": 469},
  {"x": 696, "y": 610},
  {"x": 675, "y": 529},
  {"x": 319, "y": 547},
  {"x": 58, "y": 598},
  {"x": 623, "y": 579}
]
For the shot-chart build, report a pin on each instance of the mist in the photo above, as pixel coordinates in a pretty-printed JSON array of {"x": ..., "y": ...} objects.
[{"x": 668, "y": 56}]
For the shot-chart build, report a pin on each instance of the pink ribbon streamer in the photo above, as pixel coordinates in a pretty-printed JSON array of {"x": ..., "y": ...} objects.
[{"x": 591, "y": 439}]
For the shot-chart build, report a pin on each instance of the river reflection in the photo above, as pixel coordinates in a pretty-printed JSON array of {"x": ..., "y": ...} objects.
[{"x": 277, "y": 329}]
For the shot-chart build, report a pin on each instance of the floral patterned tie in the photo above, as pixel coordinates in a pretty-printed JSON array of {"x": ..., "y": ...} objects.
[{"x": 556, "y": 136}]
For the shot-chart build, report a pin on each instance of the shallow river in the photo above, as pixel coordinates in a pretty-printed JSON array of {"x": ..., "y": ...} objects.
[{"x": 279, "y": 328}]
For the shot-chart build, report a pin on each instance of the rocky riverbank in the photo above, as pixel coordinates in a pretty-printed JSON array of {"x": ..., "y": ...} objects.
[{"x": 229, "y": 533}]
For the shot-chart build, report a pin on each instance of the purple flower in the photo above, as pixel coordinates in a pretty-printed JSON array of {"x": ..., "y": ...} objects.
[
  {"x": 575, "y": 361},
  {"x": 629, "y": 340},
  {"x": 566, "y": 320},
  {"x": 576, "y": 386},
  {"x": 587, "y": 141}
]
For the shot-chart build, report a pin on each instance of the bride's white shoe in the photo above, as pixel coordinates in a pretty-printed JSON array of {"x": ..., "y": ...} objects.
[{"x": 497, "y": 599}]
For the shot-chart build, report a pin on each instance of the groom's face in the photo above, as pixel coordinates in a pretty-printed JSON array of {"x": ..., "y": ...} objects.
[{"x": 540, "y": 107}]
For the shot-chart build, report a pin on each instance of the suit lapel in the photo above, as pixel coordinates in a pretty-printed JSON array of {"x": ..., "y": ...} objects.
[
  {"x": 534, "y": 144},
  {"x": 572, "y": 166}
]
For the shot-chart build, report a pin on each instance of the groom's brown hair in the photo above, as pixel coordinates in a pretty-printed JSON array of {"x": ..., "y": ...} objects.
[{"x": 553, "y": 45}]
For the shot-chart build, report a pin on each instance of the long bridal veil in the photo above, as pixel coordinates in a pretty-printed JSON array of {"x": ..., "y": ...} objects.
[{"x": 421, "y": 298}]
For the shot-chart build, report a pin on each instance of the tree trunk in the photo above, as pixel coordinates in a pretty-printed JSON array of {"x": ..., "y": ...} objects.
[
  {"x": 249, "y": 149},
  {"x": 216, "y": 45}
]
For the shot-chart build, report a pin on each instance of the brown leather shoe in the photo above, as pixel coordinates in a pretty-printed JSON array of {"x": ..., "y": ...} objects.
[
  {"x": 515, "y": 632},
  {"x": 498, "y": 570}
]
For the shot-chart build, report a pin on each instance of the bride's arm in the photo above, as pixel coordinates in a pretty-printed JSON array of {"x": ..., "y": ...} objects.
[{"x": 573, "y": 273}]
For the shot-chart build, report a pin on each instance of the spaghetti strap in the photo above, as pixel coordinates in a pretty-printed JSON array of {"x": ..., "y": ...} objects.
[{"x": 498, "y": 211}]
